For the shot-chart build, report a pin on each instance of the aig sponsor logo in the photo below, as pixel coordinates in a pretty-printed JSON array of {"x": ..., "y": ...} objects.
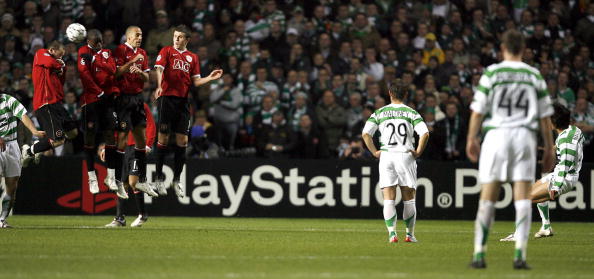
[{"x": 179, "y": 64}]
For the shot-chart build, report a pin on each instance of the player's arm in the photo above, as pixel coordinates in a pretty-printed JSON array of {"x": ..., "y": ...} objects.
[
  {"x": 423, "y": 131},
  {"x": 473, "y": 147},
  {"x": 84, "y": 62},
  {"x": 547, "y": 136},
  {"x": 370, "y": 127},
  {"x": 29, "y": 124},
  {"x": 20, "y": 112},
  {"x": 45, "y": 60},
  {"x": 214, "y": 75},
  {"x": 125, "y": 67},
  {"x": 159, "y": 73}
]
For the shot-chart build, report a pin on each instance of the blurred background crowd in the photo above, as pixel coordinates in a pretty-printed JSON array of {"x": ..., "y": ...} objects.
[{"x": 302, "y": 77}]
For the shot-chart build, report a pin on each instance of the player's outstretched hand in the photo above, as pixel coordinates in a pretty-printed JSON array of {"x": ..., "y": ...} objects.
[
  {"x": 2, "y": 145},
  {"x": 39, "y": 134},
  {"x": 216, "y": 74},
  {"x": 473, "y": 149}
]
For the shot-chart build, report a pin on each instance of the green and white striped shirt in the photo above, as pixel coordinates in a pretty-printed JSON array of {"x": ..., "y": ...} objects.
[
  {"x": 11, "y": 110},
  {"x": 569, "y": 145},
  {"x": 512, "y": 94},
  {"x": 396, "y": 124}
]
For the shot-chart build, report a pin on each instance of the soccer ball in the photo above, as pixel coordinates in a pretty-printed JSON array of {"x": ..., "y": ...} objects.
[{"x": 76, "y": 32}]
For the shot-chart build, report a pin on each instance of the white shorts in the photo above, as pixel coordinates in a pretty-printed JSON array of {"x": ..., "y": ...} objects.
[
  {"x": 10, "y": 160},
  {"x": 508, "y": 155},
  {"x": 568, "y": 182},
  {"x": 397, "y": 168}
]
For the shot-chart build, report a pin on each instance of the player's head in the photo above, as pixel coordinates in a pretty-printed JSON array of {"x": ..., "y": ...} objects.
[
  {"x": 134, "y": 36},
  {"x": 561, "y": 118},
  {"x": 512, "y": 43},
  {"x": 95, "y": 39},
  {"x": 181, "y": 36},
  {"x": 398, "y": 90},
  {"x": 56, "y": 49}
]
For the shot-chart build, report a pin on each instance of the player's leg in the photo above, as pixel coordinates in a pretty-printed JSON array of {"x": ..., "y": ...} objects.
[
  {"x": 179, "y": 159},
  {"x": 139, "y": 163},
  {"x": 8, "y": 199},
  {"x": 120, "y": 219},
  {"x": 523, "y": 220},
  {"x": 484, "y": 219},
  {"x": 139, "y": 200},
  {"x": 54, "y": 135},
  {"x": 410, "y": 212},
  {"x": 163, "y": 127},
  {"x": 390, "y": 216},
  {"x": 108, "y": 126},
  {"x": 89, "y": 117},
  {"x": 540, "y": 195}
]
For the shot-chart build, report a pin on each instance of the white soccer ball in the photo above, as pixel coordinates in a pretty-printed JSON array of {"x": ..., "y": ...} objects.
[{"x": 76, "y": 32}]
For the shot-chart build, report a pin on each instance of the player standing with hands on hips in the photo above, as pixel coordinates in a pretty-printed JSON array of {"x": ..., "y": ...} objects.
[
  {"x": 397, "y": 124},
  {"x": 511, "y": 102},
  {"x": 177, "y": 68}
]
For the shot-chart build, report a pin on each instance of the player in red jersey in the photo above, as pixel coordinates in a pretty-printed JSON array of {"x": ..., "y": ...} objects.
[
  {"x": 177, "y": 68},
  {"x": 132, "y": 175},
  {"x": 132, "y": 73},
  {"x": 97, "y": 68},
  {"x": 48, "y": 80}
]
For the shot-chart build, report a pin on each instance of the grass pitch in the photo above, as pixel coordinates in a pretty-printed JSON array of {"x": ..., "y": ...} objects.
[{"x": 166, "y": 247}]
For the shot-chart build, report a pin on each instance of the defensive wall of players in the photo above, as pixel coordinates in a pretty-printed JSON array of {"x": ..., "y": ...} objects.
[{"x": 284, "y": 188}]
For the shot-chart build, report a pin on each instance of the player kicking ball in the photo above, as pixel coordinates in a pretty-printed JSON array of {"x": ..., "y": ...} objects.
[
  {"x": 10, "y": 154},
  {"x": 177, "y": 68},
  {"x": 568, "y": 146},
  {"x": 397, "y": 124}
]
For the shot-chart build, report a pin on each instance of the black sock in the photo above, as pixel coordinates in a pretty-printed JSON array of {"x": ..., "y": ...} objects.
[
  {"x": 90, "y": 156},
  {"x": 139, "y": 198},
  {"x": 42, "y": 145},
  {"x": 161, "y": 152},
  {"x": 120, "y": 208},
  {"x": 179, "y": 160},
  {"x": 140, "y": 156},
  {"x": 110, "y": 156},
  {"x": 119, "y": 162}
]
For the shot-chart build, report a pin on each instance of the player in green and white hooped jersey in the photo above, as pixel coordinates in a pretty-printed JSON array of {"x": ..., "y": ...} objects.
[
  {"x": 569, "y": 148},
  {"x": 11, "y": 110},
  {"x": 510, "y": 102},
  {"x": 397, "y": 166}
]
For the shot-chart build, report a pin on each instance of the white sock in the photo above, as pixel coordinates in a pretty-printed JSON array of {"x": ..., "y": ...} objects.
[
  {"x": 6, "y": 207},
  {"x": 92, "y": 175},
  {"x": 390, "y": 215},
  {"x": 543, "y": 210},
  {"x": 484, "y": 219},
  {"x": 111, "y": 173},
  {"x": 523, "y": 221},
  {"x": 410, "y": 216}
]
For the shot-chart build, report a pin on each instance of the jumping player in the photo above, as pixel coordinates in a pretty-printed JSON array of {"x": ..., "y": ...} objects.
[
  {"x": 569, "y": 148},
  {"x": 10, "y": 154},
  {"x": 397, "y": 124},
  {"x": 48, "y": 80},
  {"x": 131, "y": 176},
  {"x": 97, "y": 69},
  {"x": 177, "y": 68},
  {"x": 132, "y": 73},
  {"x": 512, "y": 99}
]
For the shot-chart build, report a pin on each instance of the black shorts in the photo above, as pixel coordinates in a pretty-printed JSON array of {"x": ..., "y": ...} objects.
[
  {"x": 174, "y": 115},
  {"x": 99, "y": 116},
  {"x": 55, "y": 120},
  {"x": 130, "y": 112}
]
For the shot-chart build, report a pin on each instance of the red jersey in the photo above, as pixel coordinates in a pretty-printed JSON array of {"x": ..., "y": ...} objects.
[
  {"x": 130, "y": 83},
  {"x": 179, "y": 68},
  {"x": 150, "y": 129},
  {"x": 48, "y": 79},
  {"x": 97, "y": 73}
]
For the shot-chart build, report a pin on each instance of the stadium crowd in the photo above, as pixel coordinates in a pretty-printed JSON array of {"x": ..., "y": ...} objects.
[{"x": 302, "y": 77}]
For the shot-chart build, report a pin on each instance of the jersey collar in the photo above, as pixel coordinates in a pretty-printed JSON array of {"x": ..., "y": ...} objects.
[{"x": 128, "y": 45}]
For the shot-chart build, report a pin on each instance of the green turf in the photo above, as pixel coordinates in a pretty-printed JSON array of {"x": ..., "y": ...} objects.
[{"x": 78, "y": 247}]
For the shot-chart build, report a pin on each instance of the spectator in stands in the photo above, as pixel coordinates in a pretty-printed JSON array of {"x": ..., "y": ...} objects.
[
  {"x": 257, "y": 89},
  {"x": 160, "y": 36},
  {"x": 332, "y": 119},
  {"x": 585, "y": 121},
  {"x": 226, "y": 100},
  {"x": 311, "y": 141},
  {"x": 276, "y": 140},
  {"x": 450, "y": 132},
  {"x": 298, "y": 109}
]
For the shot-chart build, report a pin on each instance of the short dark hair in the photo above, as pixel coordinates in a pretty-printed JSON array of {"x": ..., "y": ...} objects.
[
  {"x": 513, "y": 41},
  {"x": 398, "y": 90},
  {"x": 562, "y": 116},
  {"x": 183, "y": 29},
  {"x": 55, "y": 45}
]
